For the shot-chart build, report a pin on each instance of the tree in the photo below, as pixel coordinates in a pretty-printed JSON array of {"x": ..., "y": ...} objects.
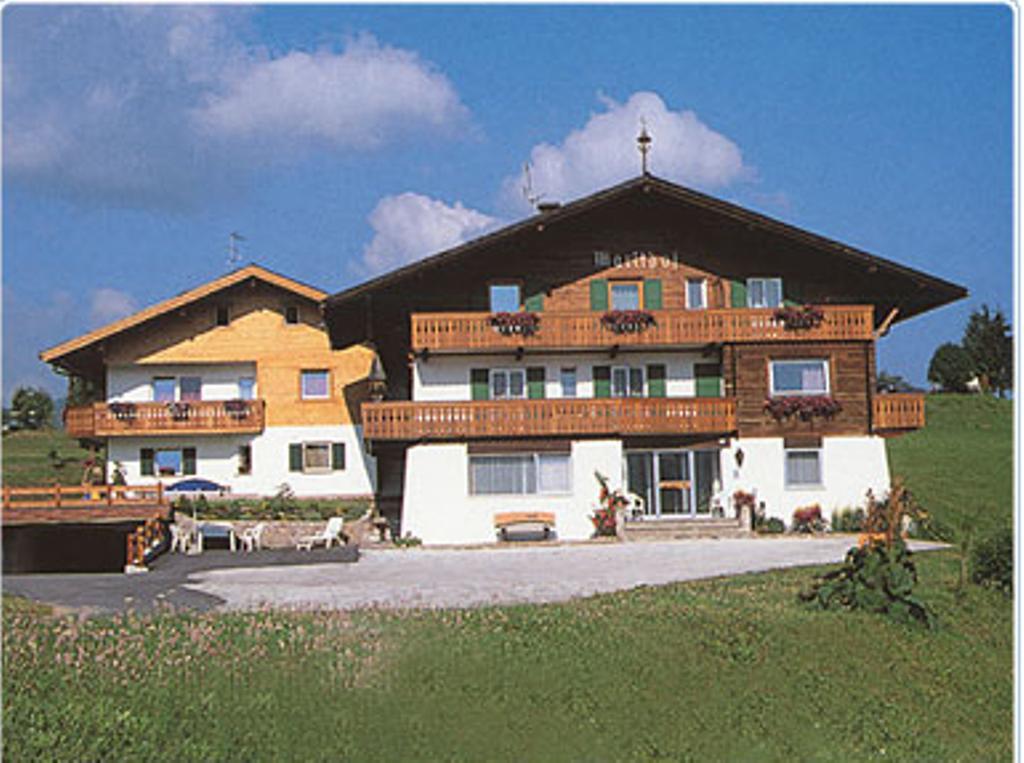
[
  {"x": 31, "y": 408},
  {"x": 82, "y": 391},
  {"x": 893, "y": 383},
  {"x": 989, "y": 345},
  {"x": 951, "y": 368}
]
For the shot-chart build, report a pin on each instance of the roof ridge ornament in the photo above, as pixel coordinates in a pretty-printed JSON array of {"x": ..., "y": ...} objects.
[{"x": 643, "y": 145}]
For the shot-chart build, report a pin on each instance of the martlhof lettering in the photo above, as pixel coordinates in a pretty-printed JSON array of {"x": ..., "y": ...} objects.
[{"x": 637, "y": 259}]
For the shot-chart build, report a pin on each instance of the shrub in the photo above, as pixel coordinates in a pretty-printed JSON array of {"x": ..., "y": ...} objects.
[
  {"x": 408, "y": 541},
  {"x": 808, "y": 520},
  {"x": 848, "y": 520},
  {"x": 612, "y": 502},
  {"x": 992, "y": 561},
  {"x": 877, "y": 577},
  {"x": 765, "y": 525}
]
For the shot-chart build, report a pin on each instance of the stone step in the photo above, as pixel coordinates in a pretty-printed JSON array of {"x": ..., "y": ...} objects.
[{"x": 684, "y": 528}]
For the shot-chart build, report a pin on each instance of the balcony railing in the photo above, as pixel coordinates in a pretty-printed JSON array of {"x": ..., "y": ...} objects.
[
  {"x": 403, "y": 420},
  {"x": 194, "y": 417},
  {"x": 897, "y": 412},
  {"x": 455, "y": 332}
]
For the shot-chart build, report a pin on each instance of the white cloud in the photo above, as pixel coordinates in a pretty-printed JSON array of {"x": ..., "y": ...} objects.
[
  {"x": 162, "y": 106},
  {"x": 603, "y": 152},
  {"x": 110, "y": 304},
  {"x": 410, "y": 226},
  {"x": 355, "y": 98}
]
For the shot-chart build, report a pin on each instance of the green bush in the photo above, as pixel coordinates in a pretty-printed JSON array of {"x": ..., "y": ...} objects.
[
  {"x": 278, "y": 507},
  {"x": 848, "y": 520},
  {"x": 992, "y": 560},
  {"x": 875, "y": 578}
]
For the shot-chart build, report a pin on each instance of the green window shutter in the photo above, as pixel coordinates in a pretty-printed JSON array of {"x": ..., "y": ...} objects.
[
  {"x": 535, "y": 302},
  {"x": 535, "y": 383},
  {"x": 656, "y": 380},
  {"x": 188, "y": 460},
  {"x": 480, "y": 382},
  {"x": 602, "y": 381},
  {"x": 739, "y": 294},
  {"x": 146, "y": 462},
  {"x": 709, "y": 379},
  {"x": 337, "y": 455},
  {"x": 295, "y": 457},
  {"x": 599, "y": 294},
  {"x": 652, "y": 294}
]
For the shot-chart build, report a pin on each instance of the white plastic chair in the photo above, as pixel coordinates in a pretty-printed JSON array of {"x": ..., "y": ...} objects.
[
  {"x": 252, "y": 538},
  {"x": 327, "y": 536},
  {"x": 637, "y": 505},
  {"x": 181, "y": 538}
]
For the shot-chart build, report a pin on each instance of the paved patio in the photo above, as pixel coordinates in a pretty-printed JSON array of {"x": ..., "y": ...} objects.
[{"x": 427, "y": 577}]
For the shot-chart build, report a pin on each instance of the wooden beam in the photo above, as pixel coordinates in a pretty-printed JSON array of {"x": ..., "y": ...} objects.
[{"x": 883, "y": 329}]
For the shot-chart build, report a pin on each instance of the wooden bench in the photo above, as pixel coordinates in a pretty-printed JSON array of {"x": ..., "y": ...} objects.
[{"x": 524, "y": 522}]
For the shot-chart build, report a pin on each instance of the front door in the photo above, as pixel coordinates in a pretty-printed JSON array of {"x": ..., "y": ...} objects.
[{"x": 673, "y": 483}]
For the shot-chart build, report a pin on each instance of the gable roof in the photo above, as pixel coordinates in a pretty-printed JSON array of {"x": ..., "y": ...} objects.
[
  {"x": 939, "y": 291},
  {"x": 54, "y": 354}
]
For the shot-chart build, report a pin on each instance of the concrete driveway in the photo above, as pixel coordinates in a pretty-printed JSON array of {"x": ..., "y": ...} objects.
[{"x": 427, "y": 577}]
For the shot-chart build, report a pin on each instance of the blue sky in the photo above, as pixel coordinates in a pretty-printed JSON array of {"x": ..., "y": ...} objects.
[{"x": 342, "y": 141}]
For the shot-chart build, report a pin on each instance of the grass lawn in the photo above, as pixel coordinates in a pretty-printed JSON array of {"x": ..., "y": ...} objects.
[
  {"x": 26, "y": 460},
  {"x": 962, "y": 461},
  {"x": 734, "y": 669}
]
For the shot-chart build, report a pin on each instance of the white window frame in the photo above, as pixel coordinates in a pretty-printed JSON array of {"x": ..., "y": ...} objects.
[
  {"x": 820, "y": 484},
  {"x": 793, "y": 361},
  {"x": 575, "y": 382},
  {"x": 638, "y": 285},
  {"x": 507, "y": 372},
  {"x": 174, "y": 388},
  {"x": 302, "y": 383},
  {"x": 306, "y": 447},
  {"x": 703, "y": 293},
  {"x": 763, "y": 282},
  {"x": 628, "y": 369},
  {"x": 179, "y": 471},
  {"x": 536, "y": 457}
]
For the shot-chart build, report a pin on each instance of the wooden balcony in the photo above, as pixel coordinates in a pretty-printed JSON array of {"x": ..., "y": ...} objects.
[
  {"x": 404, "y": 420},
  {"x": 196, "y": 417},
  {"x": 461, "y": 332},
  {"x": 897, "y": 413}
]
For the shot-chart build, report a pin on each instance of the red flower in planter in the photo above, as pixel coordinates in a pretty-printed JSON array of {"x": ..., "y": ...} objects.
[
  {"x": 522, "y": 323},
  {"x": 627, "y": 321},
  {"x": 806, "y": 317},
  {"x": 805, "y": 407}
]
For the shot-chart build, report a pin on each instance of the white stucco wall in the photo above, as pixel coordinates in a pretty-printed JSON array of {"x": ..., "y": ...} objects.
[
  {"x": 135, "y": 383},
  {"x": 850, "y": 466},
  {"x": 217, "y": 460},
  {"x": 437, "y": 506},
  {"x": 445, "y": 378}
]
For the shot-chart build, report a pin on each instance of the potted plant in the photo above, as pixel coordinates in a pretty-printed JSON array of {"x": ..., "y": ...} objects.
[
  {"x": 237, "y": 409},
  {"x": 123, "y": 411}
]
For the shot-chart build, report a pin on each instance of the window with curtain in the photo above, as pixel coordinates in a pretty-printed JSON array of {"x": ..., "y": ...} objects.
[
  {"x": 803, "y": 468},
  {"x": 625, "y": 295},
  {"x": 314, "y": 385},
  {"x": 696, "y": 297},
  {"x": 800, "y": 377},
  {"x": 568, "y": 379},
  {"x": 508, "y": 384},
  {"x": 764, "y": 292},
  {"x": 163, "y": 389},
  {"x": 191, "y": 388},
  {"x": 627, "y": 381},
  {"x": 520, "y": 474}
]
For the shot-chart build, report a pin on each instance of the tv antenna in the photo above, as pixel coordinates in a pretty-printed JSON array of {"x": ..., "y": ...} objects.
[
  {"x": 643, "y": 145},
  {"x": 531, "y": 197},
  {"x": 234, "y": 257}
]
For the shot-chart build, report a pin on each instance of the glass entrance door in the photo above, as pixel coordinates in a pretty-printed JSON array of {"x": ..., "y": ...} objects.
[{"x": 673, "y": 483}]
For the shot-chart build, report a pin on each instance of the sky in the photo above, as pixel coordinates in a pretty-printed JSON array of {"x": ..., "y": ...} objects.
[{"x": 343, "y": 141}]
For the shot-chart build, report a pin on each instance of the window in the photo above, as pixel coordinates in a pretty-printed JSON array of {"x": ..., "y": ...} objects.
[
  {"x": 316, "y": 457},
  {"x": 505, "y": 297},
  {"x": 245, "y": 459},
  {"x": 163, "y": 389},
  {"x": 191, "y": 388},
  {"x": 291, "y": 314},
  {"x": 625, "y": 295},
  {"x": 568, "y": 379},
  {"x": 803, "y": 468},
  {"x": 314, "y": 385},
  {"x": 508, "y": 384},
  {"x": 764, "y": 292},
  {"x": 223, "y": 317},
  {"x": 696, "y": 293},
  {"x": 167, "y": 463},
  {"x": 627, "y": 381},
  {"x": 246, "y": 388},
  {"x": 799, "y": 377},
  {"x": 521, "y": 474}
]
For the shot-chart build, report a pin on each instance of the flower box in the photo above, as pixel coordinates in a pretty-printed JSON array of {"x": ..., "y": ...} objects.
[
  {"x": 797, "y": 318},
  {"x": 627, "y": 321},
  {"x": 123, "y": 411},
  {"x": 804, "y": 407},
  {"x": 179, "y": 411},
  {"x": 511, "y": 324},
  {"x": 237, "y": 409}
]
